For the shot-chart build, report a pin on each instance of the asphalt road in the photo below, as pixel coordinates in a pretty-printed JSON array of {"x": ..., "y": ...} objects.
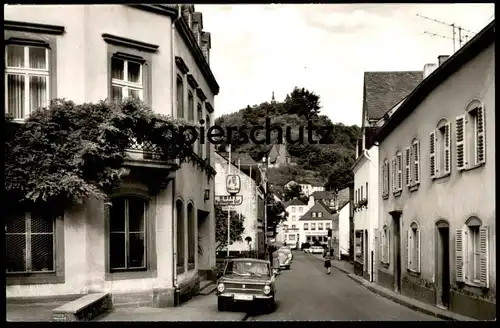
[{"x": 306, "y": 292}]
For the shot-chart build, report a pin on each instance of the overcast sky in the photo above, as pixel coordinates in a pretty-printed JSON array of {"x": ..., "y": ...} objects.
[{"x": 325, "y": 48}]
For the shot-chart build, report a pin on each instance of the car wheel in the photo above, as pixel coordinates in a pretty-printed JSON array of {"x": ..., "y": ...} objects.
[
  {"x": 288, "y": 267},
  {"x": 222, "y": 304},
  {"x": 271, "y": 306}
]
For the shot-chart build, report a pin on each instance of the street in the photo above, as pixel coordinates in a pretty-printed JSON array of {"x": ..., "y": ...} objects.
[{"x": 306, "y": 292}]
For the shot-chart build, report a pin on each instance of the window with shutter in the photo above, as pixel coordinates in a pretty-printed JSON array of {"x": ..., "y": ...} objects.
[
  {"x": 459, "y": 256},
  {"x": 447, "y": 149},
  {"x": 399, "y": 161},
  {"x": 484, "y": 260},
  {"x": 381, "y": 246},
  {"x": 387, "y": 249},
  {"x": 417, "y": 250},
  {"x": 407, "y": 167},
  {"x": 416, "y": 162},
  {"x": 394, "y": 175},
  {"x": 408, "y": 249},
  {"x": 479, "y": 136},
  {"x": 460, "y": 143},
  {"x": 432, "y": 154}
]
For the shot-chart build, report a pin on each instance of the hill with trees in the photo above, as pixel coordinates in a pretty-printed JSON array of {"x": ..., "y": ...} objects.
[{"x": 328, "y": 163}]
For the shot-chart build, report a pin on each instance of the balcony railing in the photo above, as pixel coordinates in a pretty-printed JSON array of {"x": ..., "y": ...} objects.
[{"x": 146, "y": 151}]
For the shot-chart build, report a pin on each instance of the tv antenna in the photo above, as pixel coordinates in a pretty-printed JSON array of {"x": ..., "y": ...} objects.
[{"x": 461, "y": 38}]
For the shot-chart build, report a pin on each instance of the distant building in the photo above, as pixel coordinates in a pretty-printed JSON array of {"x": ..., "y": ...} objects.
[
  {"x": 278, "y": 156},
  {"x": 306, "y": 188},
  {"x": 315, "y": 223},
  {"x": 343, "y": 230},
  {"x": 288, "y": 231},
  {"x": 326, "y": 197}
]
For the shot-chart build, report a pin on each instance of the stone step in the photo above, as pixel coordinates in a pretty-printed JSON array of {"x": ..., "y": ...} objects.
[
  {"x": 205, "y": 283},
  {"x": 209, "y": 289},
  {"x": 136, "y": 304}
]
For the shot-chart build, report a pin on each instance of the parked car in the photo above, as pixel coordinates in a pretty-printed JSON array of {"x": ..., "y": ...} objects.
[
  {"x": 249, "y": 281},
  {"x": 288, "y": 251},
  {"x": 285, "y": 261},
  {"x": 315, "y": 250}
]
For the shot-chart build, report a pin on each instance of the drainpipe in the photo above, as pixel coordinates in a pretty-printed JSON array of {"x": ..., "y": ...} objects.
[{"x": 173, "y": 96}]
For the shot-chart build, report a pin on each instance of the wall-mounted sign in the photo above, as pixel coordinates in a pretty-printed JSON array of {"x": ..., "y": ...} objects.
[
  {"x": 226, "y": 200},
  {"x": 233, "y": 184}
]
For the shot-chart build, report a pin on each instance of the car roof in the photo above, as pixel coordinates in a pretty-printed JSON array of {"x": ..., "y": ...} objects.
[{"x": 249, "y": 260}]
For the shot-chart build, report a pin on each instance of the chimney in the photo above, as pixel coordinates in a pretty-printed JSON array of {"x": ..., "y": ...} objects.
[
  {"x": 206, "y": 45},
  {"x": 429, "y": 68},
  {"x": 442, "y": 59},
  {"x": 187, "y": 11},
  {"x": 197, "y": 26}
]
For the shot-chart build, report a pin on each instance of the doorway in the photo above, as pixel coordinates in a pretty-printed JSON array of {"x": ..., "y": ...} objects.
[
  {"x": 396, "y": 220},
  {"x": 443, "y": 264}
]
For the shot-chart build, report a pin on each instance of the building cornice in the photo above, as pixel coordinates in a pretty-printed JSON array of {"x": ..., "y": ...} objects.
[
  {"x": 201, "y": 94},
  {"x": 33, "y": 27},
  {"x": 209, "y": 107},
  {"x": 187, "y": 36},
  {"x": 359, "y": 161},
  {"x": 129, "y": 43},
  {"x": 192, "y": 81},
  {"x": 181, "y": 65}
]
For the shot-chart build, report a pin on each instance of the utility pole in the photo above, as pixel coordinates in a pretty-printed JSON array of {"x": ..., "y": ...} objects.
[
  {"x": 229, "y": 209},
  {"x": 453, "y": 26}
]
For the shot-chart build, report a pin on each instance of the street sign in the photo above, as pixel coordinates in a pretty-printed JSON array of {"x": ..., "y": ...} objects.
[
  {"x": 227, "y": 200},
  {"x": 233, "y": 184}
]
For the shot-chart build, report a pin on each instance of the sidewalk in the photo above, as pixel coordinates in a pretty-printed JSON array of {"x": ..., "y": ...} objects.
[
  {"x": 411, "y": 303},
  {"x": 199, "y": 308}
]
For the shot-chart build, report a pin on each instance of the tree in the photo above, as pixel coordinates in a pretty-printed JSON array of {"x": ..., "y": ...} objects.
[
  {"x": 295, "y": 191},
  {"x": 236, "y": 226},
  {"x": 275, "y": 212},
  {"x": 66, "y": 152},
  {"x": 302, "y": 102}
]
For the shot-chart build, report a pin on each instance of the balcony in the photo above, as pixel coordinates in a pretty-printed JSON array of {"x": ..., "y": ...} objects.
[{"x": 147, "y": 154}]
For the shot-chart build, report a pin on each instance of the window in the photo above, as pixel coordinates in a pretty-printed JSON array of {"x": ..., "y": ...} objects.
[
  {"x": 313, "y": 226},
  {"x": 127, "y": 234},
  {"x": 366, "y": 191},
  {"x": 291, "y": 237},
  {"x": 200, "y": 116},
  {"x": 293, "y": 217},
  {"x": 180, "y": 236},
  {"x": 439, "y": 149},
  {"x": 397, "y": 173},
  {"x": 126, "y": 79},
  {"x": 191, "y": 237},
  {"x": 472, "y": 253},
  {"x": 413, "y": 248},
  {"x": 361, "y": 193},
  {"x": 385, "y": 179},
  {"x": 30, "y": 240},
  {"x": 306, "y": 226},
  {"x": 384, "y": 245},
  {"x": 328, "y": 225},
  {"x": 320, "y": 226},
  {"x": 190, "y": 106},
  {"x": 293, "y": 209},
  {"x": 470, "y": 137},
  {"x": 26, "y": 79},
  {"x": 294, "y": 226},
  {"x": 412, "y": 164},
  {"x": 300, "y": 209},
  {"x": 313, "y": 214},
  {"x": 309, "y": 239},
  {"x": 320, "y": 214},
  {"x": 180, "y": 97}
]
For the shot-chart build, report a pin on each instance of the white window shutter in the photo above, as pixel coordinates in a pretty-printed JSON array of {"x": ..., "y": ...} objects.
[
  {"x": 394, "y": 175},
  {"x": 460, "y": 143},
  {"x": 387, "y": 245},
  {"x": 484, "y": 251},
  {"x": 417, "y": 248},
  {"x": 432, "y": 154},
  {"x": 387, "y": 178},
  {"x": 399, "y": 162},
  {"x": 383, "y": 179},
  {"x": 460, "y": 255},
  {"x": 480, "y": 137},
  {"x": 416, "y": 163},
  {"x": 447, "y": 148},
  {"x": 407, "y": 166},
  {"x": 408, "y": 249}
]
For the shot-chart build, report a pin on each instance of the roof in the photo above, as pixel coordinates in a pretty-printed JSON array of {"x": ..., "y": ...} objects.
[
  {"x": 465, "y": 54},
  {"x": 276, "y": 150},
  {"x": 318, "y": 207},
  {"x": 383, "y": 90},
  {"x": 322, "y": 195},
  {"x": 343, "y": 197},
  {"x": 294, "y": 202},
  {"x": 244, "y": 158}
]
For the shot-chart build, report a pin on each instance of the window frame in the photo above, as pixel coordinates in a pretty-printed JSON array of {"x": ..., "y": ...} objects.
[
  {"x": 415, "y": 173},
  {"x": 413, "y": 251},
  {"x": 306, "y": 226},
  {"x": 125, "y": 84},
  {"x": 313, "y": 225},
  {"x": 470, "y": 135},
  {"x": 52, "y": 277},
  {"x": 150, "y": 245},
  {"x": 180, "y": 103},
  {"x": 131, "y": 54},
  {"x": 385, "y": 245},
  {"x": 385, "y": 179},
  {"x": 34, "y": 39}
]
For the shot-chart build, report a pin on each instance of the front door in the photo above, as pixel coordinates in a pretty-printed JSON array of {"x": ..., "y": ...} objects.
[
  {"x": 443, "y": 264},
  {"x": 397, "y": 250}
]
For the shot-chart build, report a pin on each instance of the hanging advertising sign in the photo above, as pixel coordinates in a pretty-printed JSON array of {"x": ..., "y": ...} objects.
[
  {"x": 233, "y": 184},
  {"x": 228, "y": 200}
]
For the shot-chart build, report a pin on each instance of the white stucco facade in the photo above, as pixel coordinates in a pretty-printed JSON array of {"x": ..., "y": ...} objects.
[{"x": 344, "y": 229}]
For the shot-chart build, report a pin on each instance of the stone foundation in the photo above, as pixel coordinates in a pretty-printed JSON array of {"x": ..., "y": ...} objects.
[
  {"x": 472, "y": 307},
  {"x": 420, "y": 293},
  {"x": 385, "y": 280}
]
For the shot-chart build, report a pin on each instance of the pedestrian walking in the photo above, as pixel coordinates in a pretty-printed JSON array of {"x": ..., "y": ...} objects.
[{"x": 328, "y": 263}]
